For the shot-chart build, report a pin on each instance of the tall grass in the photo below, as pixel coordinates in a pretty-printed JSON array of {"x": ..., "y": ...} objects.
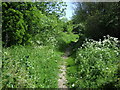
[{"x": 30, "y": 67}]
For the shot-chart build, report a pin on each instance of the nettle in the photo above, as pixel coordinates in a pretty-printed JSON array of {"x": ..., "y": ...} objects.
[{"x": 97, "y": 63}]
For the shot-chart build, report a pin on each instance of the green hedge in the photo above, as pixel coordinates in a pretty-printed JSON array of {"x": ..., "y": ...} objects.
[{"x": 96, "y": 65}]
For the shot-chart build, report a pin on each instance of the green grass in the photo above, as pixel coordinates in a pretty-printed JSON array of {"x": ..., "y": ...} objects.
[
  {"x": 30, "y": 67},
  {"x": 95, "y": 65}
]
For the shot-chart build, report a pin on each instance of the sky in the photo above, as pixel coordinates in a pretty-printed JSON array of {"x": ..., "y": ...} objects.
[{"x": 69, "y": 10}]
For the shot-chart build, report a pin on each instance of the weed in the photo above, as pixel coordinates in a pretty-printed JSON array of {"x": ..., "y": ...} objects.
[
  {"x": 96, "y": 64},
  {"x": 28, "y": 67}
]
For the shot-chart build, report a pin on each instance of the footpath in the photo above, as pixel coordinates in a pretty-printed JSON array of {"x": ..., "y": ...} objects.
[{"x": 62, "y": 75}]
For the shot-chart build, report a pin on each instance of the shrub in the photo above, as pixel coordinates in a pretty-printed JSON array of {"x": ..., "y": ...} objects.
[
  {"x": 97, "y": 64},
  {"x": 28, "y": 22}
]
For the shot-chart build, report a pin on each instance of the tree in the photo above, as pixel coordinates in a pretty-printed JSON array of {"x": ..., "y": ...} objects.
[
  {"x": 99, "y": 18},
  {"x": 24, "y": 20},
  {"x": 50, "y": 8}
]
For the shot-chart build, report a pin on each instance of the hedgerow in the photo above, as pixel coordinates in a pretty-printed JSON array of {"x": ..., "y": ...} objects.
[{"x": 95, "y": 65}]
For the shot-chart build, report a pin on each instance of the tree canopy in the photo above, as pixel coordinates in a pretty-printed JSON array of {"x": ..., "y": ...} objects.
[
  {"x": 98, "y": 18},
  {"x": 24, "y": 20}
]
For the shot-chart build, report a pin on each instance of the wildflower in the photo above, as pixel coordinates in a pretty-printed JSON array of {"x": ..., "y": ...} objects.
[
  {"x": 73, "y": 85},
  {"x": 107, "y": 68},
  {"x": 5, "y": 53}
]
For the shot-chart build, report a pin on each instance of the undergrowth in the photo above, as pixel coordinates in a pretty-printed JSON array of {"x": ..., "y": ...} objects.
[
  {"x": 95, "y": 65},
  {"x": 30, "y": 67}
]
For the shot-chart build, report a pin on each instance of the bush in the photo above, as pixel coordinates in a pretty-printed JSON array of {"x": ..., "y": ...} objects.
[
  {"x": 25, "y": 23},
  {"x": 96, "y": 64}
]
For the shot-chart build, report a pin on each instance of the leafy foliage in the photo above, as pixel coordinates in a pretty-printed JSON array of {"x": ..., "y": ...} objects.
[
  {"x": 67, "y": 35},
  {"x": 95, "y": 65},
  {"x": 52, "y": 8},
  {"x": 99, "y": 18},
  {"x": 24, "y": 20}
]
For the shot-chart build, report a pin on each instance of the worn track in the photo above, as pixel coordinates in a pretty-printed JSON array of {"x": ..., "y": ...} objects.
[{"x": 62, "y": 75}]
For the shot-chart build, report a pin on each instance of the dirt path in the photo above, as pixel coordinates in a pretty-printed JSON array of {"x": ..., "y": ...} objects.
[
  {"x": 62, "y": 75},
  {"x": 62, "y": 79}
]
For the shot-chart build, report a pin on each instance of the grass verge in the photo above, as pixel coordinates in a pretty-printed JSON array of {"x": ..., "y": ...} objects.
[{"x": 30, "y": 67}]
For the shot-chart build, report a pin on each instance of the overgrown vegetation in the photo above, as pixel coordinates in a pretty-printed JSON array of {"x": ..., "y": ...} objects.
[
  {"x": 32, "y": 39},
  {"x": 35, "y": 35},
  {"x": 30, "y": 67},
  {"x": 98, "y": 19},
  {"x": 95, "y": 65},
  {"x": 24, "y": 20}
]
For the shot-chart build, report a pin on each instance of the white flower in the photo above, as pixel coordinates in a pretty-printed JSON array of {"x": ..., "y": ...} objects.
[
  {"x": 107, "y": 68},
  {"x": 5, "y": 53},
  {"x": 73, "y": 85},
  {"x": 79, "y": 54}
]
